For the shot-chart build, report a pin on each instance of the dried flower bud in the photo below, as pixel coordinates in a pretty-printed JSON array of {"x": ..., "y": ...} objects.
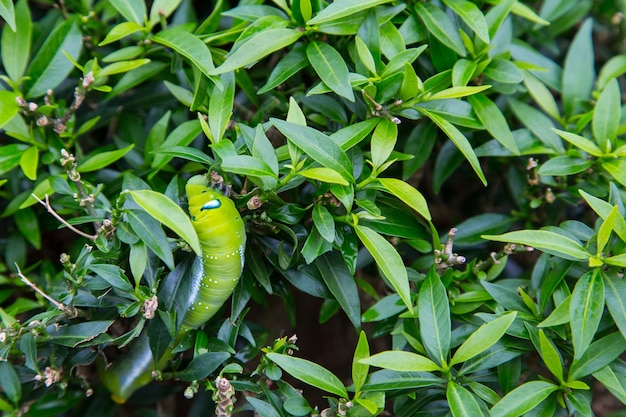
[
  {"x": 149, "y": 307},
  {"x": 42, "y": 121},
  {"x": 88, "y": 80},
  {"x": 254, "y": 203},
  {"x": 20, "y": 101},
  {"x": 3, "y": 337},
  {"x": 32, "y": 106},
  {"x": 51, "y": 376}
]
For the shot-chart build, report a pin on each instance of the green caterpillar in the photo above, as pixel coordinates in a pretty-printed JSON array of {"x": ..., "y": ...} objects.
[{"x": 222, "y": 236}]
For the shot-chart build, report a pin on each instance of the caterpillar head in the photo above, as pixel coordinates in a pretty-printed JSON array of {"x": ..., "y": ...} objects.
[{"x": 202, "y": 198}]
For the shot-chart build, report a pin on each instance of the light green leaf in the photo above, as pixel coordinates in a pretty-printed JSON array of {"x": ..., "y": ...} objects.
[
  {"x": 462, "y": 402},
  {"x": 542, "y": 95},
  {"x": 434, "y": 317},
  {"x": 317, "y": 146},
  {"x": 458, "y": 139},
  {"x": 310, "y": 373},
  {"x": 603, "y": 209},
  {"x": 605, "y": 230},
  {"x": 103, "y": 159},
  {"x": 122, "y": 66},
  {"x": 606, "y": 114},
  {"x": 133, "y": 11},
  {"x": 383, "y": 141},
  {"x": 331, "y": 68},
  {"x": 580, "y": 142},
  {"x": 586, "y": 310},
  {"x": 365, "y": 55},
  {"x": 15, "y": 42},
  {"x": 483, "y": 338},
  {"x": 613, "y": 68},
  {"x": 258, "y": 46},
  {"x": 50, "y": 66},
  {"x": 121, "y": 31},
  {"x": 221, "y": 106},
  {"x": 578, "y": 71},
  {"x": 523, "y": 399},
  {"x": 472, "y": 16},
  {"x": 550, "y": 356},
  {"x": 189, "y": 46},
  {"x": 29, "y": 162},
  {"x": 7, "y": 12},
  {"x": 388, "y": 260},
  {"x": 546, "y": 241},
  {"x": 324, "y": 222},
  {"x": 601, "y": 353},
  {"x": 440, "y": 26},
  {"x": 398, "y": 360},
  {"x": 458, "y": 92},
  {"x": 617, "y": 169},
  {"x": 490, "y": 115},
  {"x": 339, "y": 9},
  {"x": 162, "y": 9},
  {"x": 324, "y": 174},
  {"x": 359, "y": 369},
  {"x": 341, "y": 284},
  {"x": 169, "y": 213},
  {"x": 408, "y": 194}
]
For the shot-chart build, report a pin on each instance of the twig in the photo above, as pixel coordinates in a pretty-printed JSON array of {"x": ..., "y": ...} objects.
[
  {"x": 56, "y": 303},
  {"x": 50, "y": 210}
]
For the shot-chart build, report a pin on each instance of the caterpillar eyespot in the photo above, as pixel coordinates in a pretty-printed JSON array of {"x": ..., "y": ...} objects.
[{"x": 222, "y": 235}]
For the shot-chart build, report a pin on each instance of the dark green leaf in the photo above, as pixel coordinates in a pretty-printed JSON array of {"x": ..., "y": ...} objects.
[
  {"x": 490, "y": 115},
  {"x": 462, "y": 402},
  {"x": 50, "y": 66},
  {"x": 440, "y": 26},
  {"x": 202, "y": 366},
  {"x": 75, "y": 334},
  {"x": 262, "y": 408},
  {"x": 189, "y": 46},
  {"x": 434, "y": 317},
  {"x": 523, "y": 399},
  {"x": 586, "y": 310},
  {"x": 578, "y": 70},
  {"x": 341, "y": 284},
  {"x": 472, "y": 16},
  {"x": 564, "y": 165},
  {"x": 601, "y": 353},
  {"x": 114, "y": 275},
  {"x": 151, "y": 234},
  {"x": 9, "y": 382},
  {"x": 15, "y": 42}
]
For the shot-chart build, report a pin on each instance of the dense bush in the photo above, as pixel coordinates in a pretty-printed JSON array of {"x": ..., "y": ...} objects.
[{"x": 321, "y": 120}]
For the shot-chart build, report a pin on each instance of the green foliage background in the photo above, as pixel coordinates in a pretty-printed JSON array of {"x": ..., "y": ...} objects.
[{"x": 448, "y": 175}]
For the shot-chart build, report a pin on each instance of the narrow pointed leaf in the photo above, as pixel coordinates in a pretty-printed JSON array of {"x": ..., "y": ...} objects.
[
  {"x": 523, "y": 399},
  {"x": 490, "y": 115},
  {"x": 408, "y": 194},
  {"x": 189, "y": 46},
  {"x": 546, "y": 241},
  {"x": 331, "y": 68},
  {"x": 462, "y": 402},
  {"x": 398, "y": 360},
  {"x": 586, "y": 310},
  {"x": 434, "y": 317},
  {"x": 339, "y": 9}
]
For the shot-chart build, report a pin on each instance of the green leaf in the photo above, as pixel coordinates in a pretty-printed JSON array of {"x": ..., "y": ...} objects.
[
  {"x": 606, "y": 114},
  {"x": 76, "y": 334},
  {"x": 550, "y": 356},
  {"x": 189, "y": 46},
  {"x": 434, "y": 317},
  {"x": 578, "y": 71},
  {"x": 490, "y": 115},
  {"x": 249, "y": 165},
  {"x": 28, "y": 225},
  {"x": 542, "y": 95},
  {"x": 580, "y": 142},
  {"x": 615, "y": 295},
  {"x": 151, "y": 234},
  {"x": 462, "y": 402},
  {"x": 324, "y": 174},
  {"x": 440, "y": 26},
  {"x": 483, "y": 338},
  {"x": 15, "y": 42},
  {"x": 360, "y": 370},
  {"x": 603, "y": 209},
  {"x": 169, "y": 213},
  {"x": 617, "y": 169},
  {"x": 162, "y": 9},
  {"x": 539, "y": 124},
  {"x": 324, "y": 222},
  {"x": 458, "y": 139},
  {"x": 114, "y": 275},
  {"x": 341, "y": 284},
  {"x": 503, "y": 71},
  {"x": 8, "y": 110},
  {"x": 183, "y": 135},
  {"x": 262, "y": 408},
  {"x": 258, "y": 46},
  {"x": 50, "y": 66},
  {"x": 221, "y": 106},
  {"x": 289, "y": 65},
  {"x": 605, "y": 231},
  {"x": 9, "y": 382},
  {"x": 202, "y": 366},
  {"x": 317, "y": 146},
  {"x": 601, "y": 353},
  {"x": 472, "y": 16},
  {"x": 613, "y": 68},
  {"x": 383, "y": 141},
  {"x": 388, "y": 260},
  {"x": 458, "y": 92},
  {"x": 184, "y": 152},
  {"x": 398, "y": 360},
  {"x": 523, "y": 399},
  {"x": 29, "y": 162},
  {"x": 132, "y": 11},
  {"x": 564, "y": 165},
  {"x": 617, "y": 260},
  {"x": 103, "y": 159},
  {"x": 121, "y": 31},
  {"x": 337, "y": 10},
  {"x": 407, "y": 194},
  {"x": 365, "y": 55},
  {"x": 546, "y": 241},
  {"x": 330, "y": 67},
  {"x": 7, "y": 12},
  {"x": 310, "y": 373},
  {"x": 586, "y": 310},
  {"x": 462, "y": 72}
]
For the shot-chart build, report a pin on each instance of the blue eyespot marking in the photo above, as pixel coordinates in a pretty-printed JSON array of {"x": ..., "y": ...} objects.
[{"x": 213, "y": 204}]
